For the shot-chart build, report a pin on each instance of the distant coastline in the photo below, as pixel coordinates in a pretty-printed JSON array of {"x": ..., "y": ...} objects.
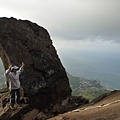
[{"x": 93, "y": 65}]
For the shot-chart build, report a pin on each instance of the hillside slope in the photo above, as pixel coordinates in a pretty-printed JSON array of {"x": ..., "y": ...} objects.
[
  {"x": 90, "y": 89},
  {"x": 107, "y": 108},
  {"x": 82, "y": 83}
]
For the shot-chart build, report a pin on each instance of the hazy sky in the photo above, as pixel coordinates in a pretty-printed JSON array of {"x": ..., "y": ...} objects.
[
  {"x": 81, "y": 23},
  {"x": 71, "y": 19},
  {"x": 81, "y": 30}
]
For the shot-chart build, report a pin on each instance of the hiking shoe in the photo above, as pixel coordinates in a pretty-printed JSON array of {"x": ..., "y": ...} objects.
[{"x": 12, "y": 108}]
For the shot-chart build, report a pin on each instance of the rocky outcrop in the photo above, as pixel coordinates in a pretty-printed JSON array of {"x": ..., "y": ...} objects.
[
  {"x": 107, "y": 108},
  {"x": 44, "y": 79},
  {"x": 26, "y": 112}
]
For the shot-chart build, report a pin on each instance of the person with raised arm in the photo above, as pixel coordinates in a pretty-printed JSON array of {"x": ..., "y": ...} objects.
[{"x": 13, "y": 73}]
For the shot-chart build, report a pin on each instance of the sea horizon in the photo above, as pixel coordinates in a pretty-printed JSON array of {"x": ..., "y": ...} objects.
[{"x": 93, "y": 65}]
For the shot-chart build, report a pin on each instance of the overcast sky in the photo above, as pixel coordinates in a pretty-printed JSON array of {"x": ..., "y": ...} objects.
[
  {"x": 82, "y": 31},
  {"x": 70, "y": 22}
]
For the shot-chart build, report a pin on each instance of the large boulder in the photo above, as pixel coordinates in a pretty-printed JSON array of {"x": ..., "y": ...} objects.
[{"x": 44, "y": 79}]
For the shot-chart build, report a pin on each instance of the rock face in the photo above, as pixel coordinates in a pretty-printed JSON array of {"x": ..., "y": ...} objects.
[{"x": 44, "y": 79}]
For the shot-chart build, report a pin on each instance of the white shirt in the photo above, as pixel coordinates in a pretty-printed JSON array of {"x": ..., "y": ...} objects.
[{"x": 14, "y": 82}]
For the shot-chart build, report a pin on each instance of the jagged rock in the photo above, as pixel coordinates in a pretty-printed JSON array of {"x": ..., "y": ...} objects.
[
  {"x": 41, "y": 116},
  {"x": 44, "y": 79},
  {"x": 68, "y": 104},
  {"x": 58, "y": 108},
  {"x": 4, "y": 102},
  {"x": 73, "y": 101},
  {"x": 4, "y": 99},
  {"x": 30, "y": 115},
  {"x": 65, "y": 102}
]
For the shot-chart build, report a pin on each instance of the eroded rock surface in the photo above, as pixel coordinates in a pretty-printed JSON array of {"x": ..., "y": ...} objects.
[{"x": 44, "y": 79}]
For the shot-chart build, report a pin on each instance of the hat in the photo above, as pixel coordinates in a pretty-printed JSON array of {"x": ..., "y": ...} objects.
[{"x": 14, "y": 68}]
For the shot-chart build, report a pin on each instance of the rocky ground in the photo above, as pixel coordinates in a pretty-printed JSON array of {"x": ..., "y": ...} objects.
[
  {"x": 28, "y": 112},
  {"x": 105, "y": 108}
]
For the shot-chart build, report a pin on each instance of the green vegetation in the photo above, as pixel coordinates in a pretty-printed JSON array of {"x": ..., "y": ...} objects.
[
  {"x": 90, "y": 93},
  {"x": 90, "y": 89},
  {"x": 74, "y": 81}
]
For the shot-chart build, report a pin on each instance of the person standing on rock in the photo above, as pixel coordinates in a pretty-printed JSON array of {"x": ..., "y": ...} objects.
[{"x": 13, "y": 73}]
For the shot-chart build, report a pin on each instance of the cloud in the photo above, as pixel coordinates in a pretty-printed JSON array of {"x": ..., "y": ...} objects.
[
  {"x": 91, "y": 20},
  {"x": 70, "y": 19}
]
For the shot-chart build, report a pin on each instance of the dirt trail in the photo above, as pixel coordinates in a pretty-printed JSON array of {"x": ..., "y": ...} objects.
[{"x": 106, "y": 109}]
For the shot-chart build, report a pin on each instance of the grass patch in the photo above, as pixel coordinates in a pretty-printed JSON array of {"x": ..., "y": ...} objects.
[{"x": 90, "y": 93}]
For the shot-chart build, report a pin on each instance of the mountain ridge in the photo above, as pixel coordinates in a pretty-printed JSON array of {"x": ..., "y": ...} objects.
[
  {"x": 90, "y": 89},
  {"x": 82, "y": 83}
]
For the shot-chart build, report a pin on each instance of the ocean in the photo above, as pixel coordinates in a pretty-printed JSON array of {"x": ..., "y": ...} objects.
[
  {"x": 93, "y": 65},
  {"x": 90, "y": 60},
  {"x": 2, "y": 77}
]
